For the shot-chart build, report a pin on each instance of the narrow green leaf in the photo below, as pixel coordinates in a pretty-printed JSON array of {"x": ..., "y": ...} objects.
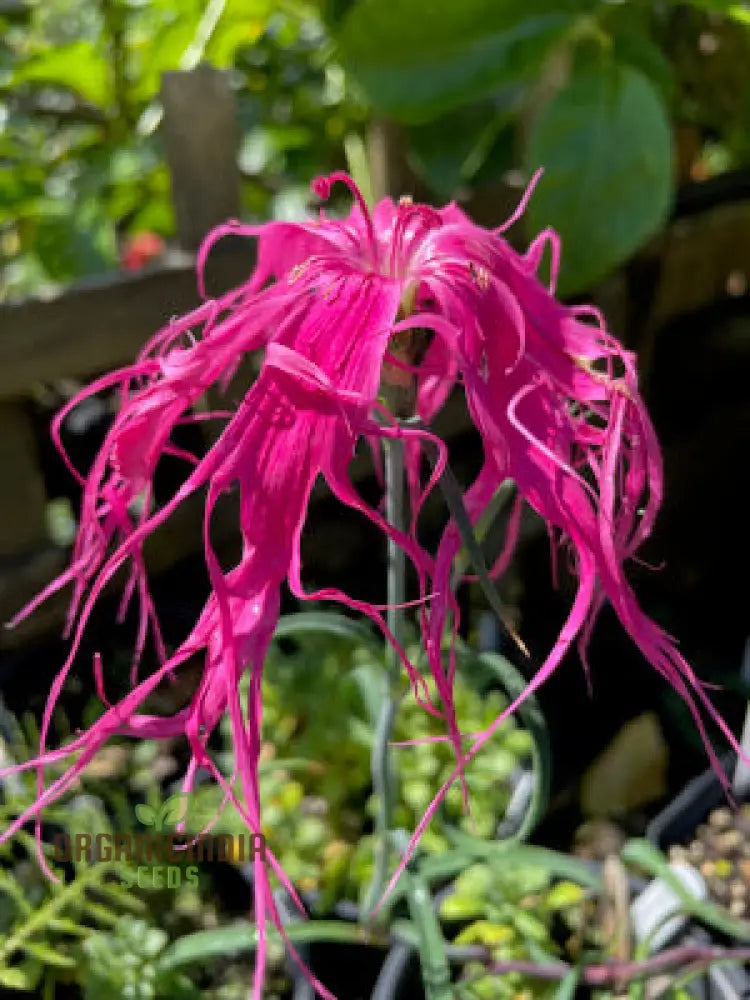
[
  {"x": 567, "y": 988},
  {"x": 524, "y": 855},
  {"x": 325, "y": 623},
  {"x": 204, "y": 945},
  {"x": 48, "y": 955},
  {"x": 9, "y": 886},
  {"x": 291, "y": 764},
  {"x": 64, "y": 925},
  {"x": 118, "y": 894},
  {"x": 431, "y": 943},
  {"x": 513, "y": 682},
  {"x": 101, "y": 914}
]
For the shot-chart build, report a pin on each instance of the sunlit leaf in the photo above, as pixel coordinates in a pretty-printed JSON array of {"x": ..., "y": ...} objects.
[
  {"x": 79, "y": 67},
  {"x": 21, "y": 977}
]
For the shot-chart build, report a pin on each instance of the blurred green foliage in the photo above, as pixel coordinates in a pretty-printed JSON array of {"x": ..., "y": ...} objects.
[
  {"x": 101, "y": 932},
  {"x": 510, "y": 910},
  {"x": 114, "y": 931},
  {"x": 81, "y": 159},
  {"x": 617, "y": 99}
]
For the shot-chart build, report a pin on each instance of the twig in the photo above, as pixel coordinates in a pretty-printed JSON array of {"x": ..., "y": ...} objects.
[{"x": 615, "y": 973}]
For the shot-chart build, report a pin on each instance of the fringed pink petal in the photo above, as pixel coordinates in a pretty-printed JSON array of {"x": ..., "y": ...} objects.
[{"x": 553, "y": 395}]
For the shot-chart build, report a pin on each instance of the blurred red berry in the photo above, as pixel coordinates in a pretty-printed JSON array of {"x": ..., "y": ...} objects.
[{"x": 140, "y": 250}]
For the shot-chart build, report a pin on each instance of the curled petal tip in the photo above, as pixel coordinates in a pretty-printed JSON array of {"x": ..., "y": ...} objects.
[{"x": 321, "y": 187}]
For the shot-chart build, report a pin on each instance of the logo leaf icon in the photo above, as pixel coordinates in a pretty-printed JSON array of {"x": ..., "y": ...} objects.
[
  {"x": 145, "y": 814},
  {"x": 173, "y": 810}
]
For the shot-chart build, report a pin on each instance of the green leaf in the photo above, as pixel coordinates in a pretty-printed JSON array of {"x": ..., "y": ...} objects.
[
  {"x": 369, "y": 681},
  {"x": 145, "y": 814},
  {"x": 64, "y": 925},
  {"x": 21, "y": 977},
  {"x": 520, "y": 855},
  {"x": 473, "y": 131},
  {"x": 456, "y": 907},
  {"x": 432, "y": 947},
  {"x": 79, "y": 67},
  {"x": 79, "y": 241},
  {"x": 514, "y": 683},
  {"x": 49, "y": 956},
  {"x": 567, "y": 988},
  {"x": 716, "y": 6},
  {"x": 9, "y": 886},
  {"x": 605, "y": 143},
  {"x": 563, "y": 895},
  {"x": 415, "y": 59},
  {"x": 291, "y": 764},
  {"x": 530, "y": 926},
  {"x": 325, "y": 623},
  {"x": 204, "y": 945},
  {"x": 636, "y": 49}
]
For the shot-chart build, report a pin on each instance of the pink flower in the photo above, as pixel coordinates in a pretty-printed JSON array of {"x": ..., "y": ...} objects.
[{"x": 551, "y": 392}]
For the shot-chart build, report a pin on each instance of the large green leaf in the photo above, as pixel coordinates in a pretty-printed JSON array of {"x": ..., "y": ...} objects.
[
  {"x": 78, "y": 66},
  {"x": 415, "y": 59},
  {"x": 730, "y": 7},
  {"x": 605, "y": 143}
]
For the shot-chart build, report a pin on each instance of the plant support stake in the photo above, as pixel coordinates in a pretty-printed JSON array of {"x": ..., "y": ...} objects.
[{"x": 741, "y": 780}]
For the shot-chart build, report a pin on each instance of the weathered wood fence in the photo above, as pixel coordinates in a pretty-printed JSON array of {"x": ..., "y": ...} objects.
[
  {"x": 97, "y": 325},
  {"x": 100, "y": 324}
]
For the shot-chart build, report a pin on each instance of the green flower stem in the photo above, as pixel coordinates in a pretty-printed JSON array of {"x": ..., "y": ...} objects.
[
  {"x": 383, "y": 774},
  {"x": 433, "y": 958},
  {"x": 430, "y": 942}
]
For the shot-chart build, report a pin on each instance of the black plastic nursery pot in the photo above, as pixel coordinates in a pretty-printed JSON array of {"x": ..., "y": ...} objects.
[
  {"x": 358, "y": 971},
  {"x": 364, "y": 972},
  {"x": 676, "y": 825}
]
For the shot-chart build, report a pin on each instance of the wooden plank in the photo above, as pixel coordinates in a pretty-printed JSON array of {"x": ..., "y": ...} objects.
[
  {"x": 201, "y": 135},
  {"x": 703, "y": 259},
  {"x": 22, "y": 524},
  {"x": 98, "y": 325}
]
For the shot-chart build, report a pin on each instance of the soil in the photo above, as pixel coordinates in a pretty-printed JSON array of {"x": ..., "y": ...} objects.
[{"x": 720, "y": 850}]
